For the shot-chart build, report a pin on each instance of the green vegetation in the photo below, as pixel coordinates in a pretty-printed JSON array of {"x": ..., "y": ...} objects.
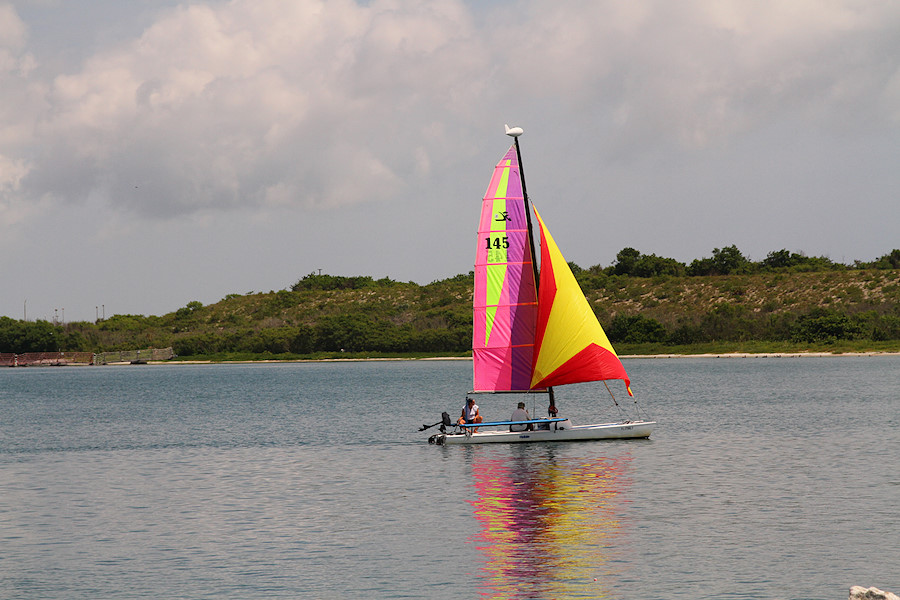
[{"x": 648, "y": 305}]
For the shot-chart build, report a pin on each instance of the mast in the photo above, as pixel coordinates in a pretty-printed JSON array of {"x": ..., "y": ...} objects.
[{"x": 514, "y": 133}]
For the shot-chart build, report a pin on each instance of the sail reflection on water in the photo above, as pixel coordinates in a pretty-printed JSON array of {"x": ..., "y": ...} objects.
[{"x": 550, "y": 526}]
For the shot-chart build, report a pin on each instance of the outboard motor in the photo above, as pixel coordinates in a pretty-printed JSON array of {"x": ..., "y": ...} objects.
[{"x": 444, "y": 423}]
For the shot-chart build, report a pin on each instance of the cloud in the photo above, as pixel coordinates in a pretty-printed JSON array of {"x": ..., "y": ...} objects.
[
  {"x": 12, "y": 29},
  {"x": 19, "y": 99},
  {"x": 150, "y": 142},
  {"x": 218, "y": 105},
  {"x": 697, "y": 72},
  {"x": 327, "y": 104}
]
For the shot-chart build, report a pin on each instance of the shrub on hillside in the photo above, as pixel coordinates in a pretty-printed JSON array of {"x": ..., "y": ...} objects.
[
  {"x": 823, "y": 326},
  {"x": 636, "y": 329}
]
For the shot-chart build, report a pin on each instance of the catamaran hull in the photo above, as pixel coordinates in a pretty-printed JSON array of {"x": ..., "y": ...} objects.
[{"x": 606, "y": 431}]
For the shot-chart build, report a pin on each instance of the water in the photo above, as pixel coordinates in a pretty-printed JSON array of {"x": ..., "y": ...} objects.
[{"x": 765, "y": 478}]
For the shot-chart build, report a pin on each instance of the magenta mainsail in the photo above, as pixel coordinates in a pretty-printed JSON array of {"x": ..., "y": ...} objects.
[{"x": 505, "y": 303}]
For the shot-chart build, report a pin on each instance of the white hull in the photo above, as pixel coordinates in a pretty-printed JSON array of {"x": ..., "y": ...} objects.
[{"x": 564, "y": 433}]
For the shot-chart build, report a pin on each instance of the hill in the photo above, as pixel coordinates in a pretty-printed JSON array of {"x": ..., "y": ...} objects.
[{"x": 849, "y": 309}]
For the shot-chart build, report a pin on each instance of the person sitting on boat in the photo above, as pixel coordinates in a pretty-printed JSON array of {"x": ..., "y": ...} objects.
[
  {"x": 520, "y": 414},
  {"x": 470, "y": 413}
]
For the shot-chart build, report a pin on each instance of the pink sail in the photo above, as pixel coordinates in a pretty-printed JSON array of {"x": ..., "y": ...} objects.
[{"x": 505, "y": 301}]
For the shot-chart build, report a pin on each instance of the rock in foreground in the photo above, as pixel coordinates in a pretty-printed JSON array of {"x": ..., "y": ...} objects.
[{"x": 858, "y": 592}]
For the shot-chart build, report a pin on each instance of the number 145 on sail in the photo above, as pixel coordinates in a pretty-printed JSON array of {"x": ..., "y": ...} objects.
[{"x": 497, "y": 243}]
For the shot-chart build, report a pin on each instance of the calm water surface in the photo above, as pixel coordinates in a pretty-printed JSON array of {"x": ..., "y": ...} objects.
[{"x": 765, "y": 478}]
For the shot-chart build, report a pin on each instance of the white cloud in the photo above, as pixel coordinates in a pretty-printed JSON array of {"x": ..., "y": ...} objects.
[
  {"x": 11, "y": 173},
  {"x": 12, "y": 30},
  {"x": 324, "y": 104},
  {"x": 210, "y": 96},
  {"x": 19, "y": 99},
  {"x": 696, "y": 71},
  {"x": 215, "y": 105}
]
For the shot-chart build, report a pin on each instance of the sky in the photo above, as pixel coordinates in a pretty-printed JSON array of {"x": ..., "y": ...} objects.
[{"x": 158, "y": 152}]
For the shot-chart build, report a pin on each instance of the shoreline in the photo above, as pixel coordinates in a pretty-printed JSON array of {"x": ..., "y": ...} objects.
[
  {"x": 723, "y": 355},
  {"x": 764, "y": 355},
  {"x": 726, "y": 355}
]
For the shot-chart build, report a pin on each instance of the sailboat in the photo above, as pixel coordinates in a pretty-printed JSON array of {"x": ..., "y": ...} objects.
[{"x": 532, "y": 331}]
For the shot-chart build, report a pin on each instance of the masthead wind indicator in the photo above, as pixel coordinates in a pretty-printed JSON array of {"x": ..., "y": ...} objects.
[{"x": 513, "y": 131}]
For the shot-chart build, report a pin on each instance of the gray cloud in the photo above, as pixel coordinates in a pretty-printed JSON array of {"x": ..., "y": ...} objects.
[{"x": 215, "y": 105}]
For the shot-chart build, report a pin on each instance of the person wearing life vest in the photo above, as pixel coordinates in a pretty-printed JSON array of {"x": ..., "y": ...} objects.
[{"x": 470, "y": 413}]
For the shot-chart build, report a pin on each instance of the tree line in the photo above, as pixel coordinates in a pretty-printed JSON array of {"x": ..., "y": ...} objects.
[{"x": 731, "y": 261}]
